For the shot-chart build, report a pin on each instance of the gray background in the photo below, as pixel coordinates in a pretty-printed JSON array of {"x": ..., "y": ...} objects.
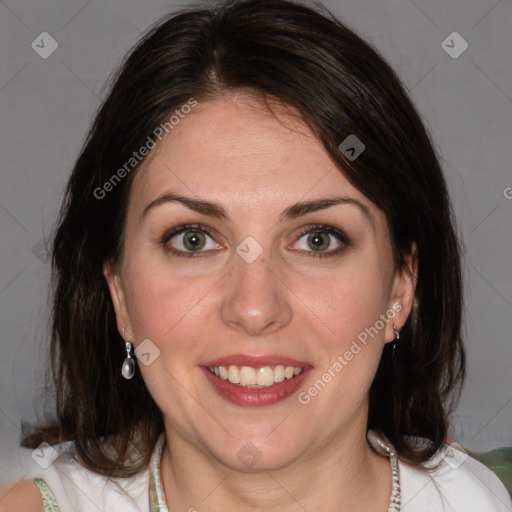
[{"x": 46, "y": 106}]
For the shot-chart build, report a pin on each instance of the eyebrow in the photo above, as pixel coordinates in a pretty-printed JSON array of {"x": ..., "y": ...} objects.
[{"x": 215, "y": 210}]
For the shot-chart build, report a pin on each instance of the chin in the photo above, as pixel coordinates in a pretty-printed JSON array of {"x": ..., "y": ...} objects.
[{"x": 258, "y": 453}]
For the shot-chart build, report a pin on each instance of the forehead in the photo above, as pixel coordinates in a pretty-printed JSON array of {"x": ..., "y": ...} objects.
[{"x": 232, "y": 150}]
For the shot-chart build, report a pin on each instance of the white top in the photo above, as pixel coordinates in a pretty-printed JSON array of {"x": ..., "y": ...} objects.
[{"x": 460, "y": 484}]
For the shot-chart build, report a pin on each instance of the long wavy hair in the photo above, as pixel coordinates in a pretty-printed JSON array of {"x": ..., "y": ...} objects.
[{"x": 306, "y": 58}]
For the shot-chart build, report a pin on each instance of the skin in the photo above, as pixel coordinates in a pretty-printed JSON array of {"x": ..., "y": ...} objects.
[
  {"x": 315, "y": 456},
  {"x": 22, "y": 495}
]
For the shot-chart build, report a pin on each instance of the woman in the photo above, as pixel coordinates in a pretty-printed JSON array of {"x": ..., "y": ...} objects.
[{"x": 257, "y": 284}]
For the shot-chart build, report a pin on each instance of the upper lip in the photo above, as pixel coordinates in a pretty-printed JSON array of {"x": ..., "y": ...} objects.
[{"x": 256, "y": 362}]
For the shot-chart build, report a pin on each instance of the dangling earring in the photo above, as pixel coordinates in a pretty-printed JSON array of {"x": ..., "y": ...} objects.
[
  {"x": 397, "y": 337},
  {"x": 128, "y": 368}
]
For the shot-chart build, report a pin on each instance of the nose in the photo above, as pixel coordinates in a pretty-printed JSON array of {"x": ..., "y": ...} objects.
[{"x": 256, "y": 299}]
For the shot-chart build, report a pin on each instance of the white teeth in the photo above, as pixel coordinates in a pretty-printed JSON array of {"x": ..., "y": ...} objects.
[
  {"x": 279, "y": 373},
  {"x": 247, "y": 376},
  {"x": 234, "y": 374},
  {"x": 255, "y": 377},
  {"x": 265, "y": 376}
]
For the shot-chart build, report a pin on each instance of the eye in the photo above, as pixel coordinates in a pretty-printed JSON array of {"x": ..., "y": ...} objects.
[
  {"x": 189, "y": 239},
  {"x": 320, "y": 239},
  {"x": 192, "y": 240}
]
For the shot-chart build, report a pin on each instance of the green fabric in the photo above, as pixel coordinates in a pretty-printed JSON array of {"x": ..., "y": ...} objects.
[
  {"x": 49, "y": 501},
  {"x": 153, "y": 498}
]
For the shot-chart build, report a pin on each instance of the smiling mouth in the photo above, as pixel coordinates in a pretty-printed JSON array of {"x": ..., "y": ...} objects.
[{"x": 261, "y": 377}]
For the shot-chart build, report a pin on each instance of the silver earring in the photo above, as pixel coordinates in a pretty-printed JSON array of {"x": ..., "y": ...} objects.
[
  {"x": 128, "y": 368},
  {"x": 397, "y": 337}
]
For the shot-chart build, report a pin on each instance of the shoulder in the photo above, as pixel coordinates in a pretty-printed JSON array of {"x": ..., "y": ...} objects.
[
  {"x": 23, "y": 495},
  {"x": 75, "y": 487},
  {"x": 455, "y": 482}
]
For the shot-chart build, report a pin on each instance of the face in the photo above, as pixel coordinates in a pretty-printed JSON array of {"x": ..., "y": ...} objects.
[{"x": 255, "y": 286}]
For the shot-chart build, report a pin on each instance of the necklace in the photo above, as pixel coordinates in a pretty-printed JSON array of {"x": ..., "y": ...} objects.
[
  {"x": 157, "y": 502},
  {"x": 384, "y": 447}
]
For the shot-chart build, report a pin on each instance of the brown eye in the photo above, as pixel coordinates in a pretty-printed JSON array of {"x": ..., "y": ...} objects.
[
  {"x": 319, "y": 241},
  {"x": 322, "y": 241},
  {"x": 189, "y": 239},
  {"x": 193, "y": 240}
]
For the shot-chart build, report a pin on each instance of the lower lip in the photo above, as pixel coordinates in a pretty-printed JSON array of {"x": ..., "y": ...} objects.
[{"x": 239, "y": 395}]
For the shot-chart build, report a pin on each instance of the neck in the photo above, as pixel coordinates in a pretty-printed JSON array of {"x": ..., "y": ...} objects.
[{"x": 346, "y": 475}]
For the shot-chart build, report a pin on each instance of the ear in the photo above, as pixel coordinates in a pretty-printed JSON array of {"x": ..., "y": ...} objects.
[
  {"x": 402, "y": 292},
  {"x": 117, "y": 294}
]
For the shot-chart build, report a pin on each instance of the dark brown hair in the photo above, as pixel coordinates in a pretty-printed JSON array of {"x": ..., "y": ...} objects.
[{"x": 307, "y": 59}]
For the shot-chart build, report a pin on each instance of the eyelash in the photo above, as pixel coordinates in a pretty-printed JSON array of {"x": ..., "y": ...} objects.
[{"x": 323, "y": 228}]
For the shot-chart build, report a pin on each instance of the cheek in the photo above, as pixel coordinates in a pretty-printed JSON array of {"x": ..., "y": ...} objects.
[
  {"x": 176, "y": 313},
  {"x": 350, "y": 339},
  {"x": 346, "y": 301},
  {"x": 157, "y": 304}
]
